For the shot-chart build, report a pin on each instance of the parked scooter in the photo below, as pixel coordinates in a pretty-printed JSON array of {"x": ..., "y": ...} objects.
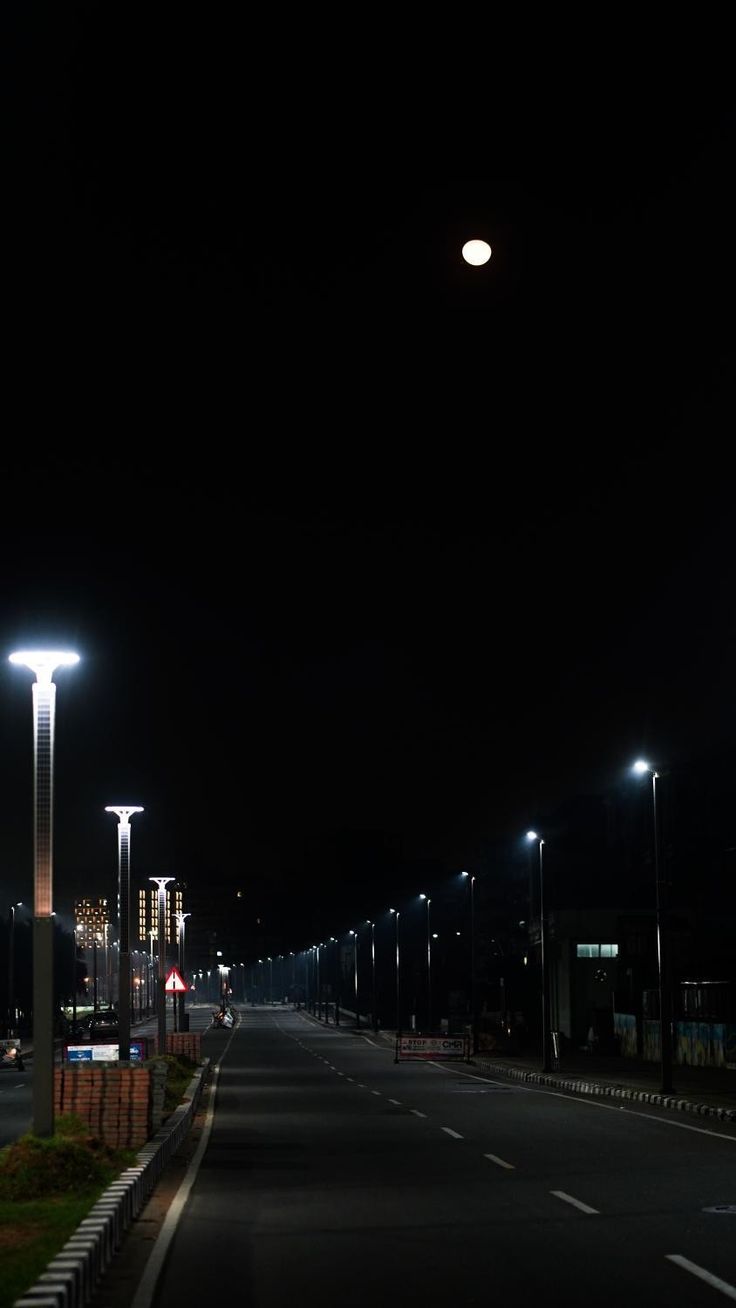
[{"x": 223, "y": 1017}]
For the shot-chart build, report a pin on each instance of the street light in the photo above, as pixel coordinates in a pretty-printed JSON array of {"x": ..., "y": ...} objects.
[
  {"x": 374, "y": 1014},
  {"x": 476, "y": 252},
  {"x": 473, "y": 999},
  {"x": 123, "y": 813},
  {"x": 354, "y": 934},
  {"x": 162, "y": 883},
  {"x": 397, "y": 915},
  {"x": 181, "y": 919},
  {"x": 11, "y": 969},
  {"x": 532, "y": 836},
  {"x": 43, "y": 663},
  {"x": 665, "y": 989},
  {"x": 429, "y": 969}
]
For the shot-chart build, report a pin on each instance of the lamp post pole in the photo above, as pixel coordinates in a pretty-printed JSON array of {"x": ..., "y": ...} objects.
[
  {"x": 429, "y": 968},
  {"x": 162, "y": 883},
  {"x": 473, "y": 990},
  {"x": 374, "y": 1014},
  {"x": 123, "y": 814},
  {"x": 11, "y": 969},
  {"x": 663, "y": 959},
  {"x": 43, "y": 663},
  {"x": 532, "y": 835},
  {"x": 181, "y": 919},
  {"x": 397, "y": 914}
]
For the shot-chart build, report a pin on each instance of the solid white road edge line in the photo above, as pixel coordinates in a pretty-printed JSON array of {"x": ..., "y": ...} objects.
[
  {"x": 143, "y": 1297},
  {"x": 708, "y": 1277},
  {"x": 495, "y": 1159},
  {"x": 449, "y": 1131},
  {"x": 576, "y": 1203}
]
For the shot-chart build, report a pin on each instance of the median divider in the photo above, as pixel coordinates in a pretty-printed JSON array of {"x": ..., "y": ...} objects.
[{"x": 71, "y": 1277}]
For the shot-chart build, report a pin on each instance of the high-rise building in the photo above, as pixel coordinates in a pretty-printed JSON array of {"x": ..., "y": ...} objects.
[
  {"x": 92, "y": 920},
  {"x": 146, "y": 919}
]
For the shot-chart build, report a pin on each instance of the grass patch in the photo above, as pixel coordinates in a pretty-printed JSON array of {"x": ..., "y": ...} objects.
[{"x": 47, "y": 1187}]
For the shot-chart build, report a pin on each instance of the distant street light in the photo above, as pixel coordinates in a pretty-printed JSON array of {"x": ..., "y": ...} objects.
[
  {"x": 429, "y": 969},
  {"x": 181, "y": 919},
  {"x": 397, "y": 915},
  {"x": 43, "y": 663},
  {"x": 476, "y": 252},
  {"x": 532, "y": 836},
  {"x": 374, "y": 1014},
  {"x": 123, "y": 813},
  {"x": 665, "y": 988},
  {"x": 473, "y": 1001},
  {"x": 11, "y": 969},
  {"x": 162, "y": 883}
]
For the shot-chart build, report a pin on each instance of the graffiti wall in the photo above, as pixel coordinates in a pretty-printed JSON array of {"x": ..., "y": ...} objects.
[
  {"x": 624, "y": 1029},
  {"x": 697, "y": 1044}
]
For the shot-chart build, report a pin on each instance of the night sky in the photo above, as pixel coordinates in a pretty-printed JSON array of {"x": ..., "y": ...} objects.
[{"x": 370, "y": 557}]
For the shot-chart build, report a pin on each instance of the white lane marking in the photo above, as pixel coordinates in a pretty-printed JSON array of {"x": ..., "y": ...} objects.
[
  {"x": 417, "y": 1113},
  {"x": 588, "y": 1103},
  {"x": 449, "y": 1131},
  {"x": 350, "y": 1078},
  {"x": 576, "y": 1203},
  {"x": 395, "y": 1101},
  {"x": 19, "y": 1085},
  {"x": 494, "y": 1158},
  {"x": 341, "y": 1074},
  {"x": 708, "y": 1277},
  {"x": 147, "y": 1286},
  {"x": 375, "y": 1092},
  {"x": 371, "y": 1042},
  {"x": 361, "y": 1086}
]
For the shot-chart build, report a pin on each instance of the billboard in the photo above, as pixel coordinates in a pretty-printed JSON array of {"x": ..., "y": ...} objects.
[
  {"x": 434, "y": 1047},
  {"x": 104, "y": 1053}
]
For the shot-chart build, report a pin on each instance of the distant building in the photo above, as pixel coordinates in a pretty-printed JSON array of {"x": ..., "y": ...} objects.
[
  {"x": 146, "y": 918},
  {"x": 92, "y": 920}
]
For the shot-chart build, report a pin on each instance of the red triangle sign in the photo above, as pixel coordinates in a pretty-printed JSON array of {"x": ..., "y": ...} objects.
[{"x": 175, "y": 984}]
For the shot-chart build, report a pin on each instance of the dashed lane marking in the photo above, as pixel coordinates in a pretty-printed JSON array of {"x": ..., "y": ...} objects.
[
  {"x": 417, "y": 1113},
  {"x": 703, "y": 1275},
  {"x": 576, "y": 1203},
  {"x": 449, "y": 1131},
  {"x": 494, "y": 1158}
]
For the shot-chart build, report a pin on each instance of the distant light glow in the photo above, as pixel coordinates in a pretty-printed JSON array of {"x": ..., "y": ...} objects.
[
  {"x": 422, "y": 896},
  {"x": 464, "y": 874},
  {"x": 476, "y": 252},
  {"x": 532, "y": 835},
  {"x": 640, "y": 766}
]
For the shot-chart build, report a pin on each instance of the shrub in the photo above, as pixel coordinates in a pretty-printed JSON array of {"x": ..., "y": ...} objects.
[{"x": 70, "y": 1161}]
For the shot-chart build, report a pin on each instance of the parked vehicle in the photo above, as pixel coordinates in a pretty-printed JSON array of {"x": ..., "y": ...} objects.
[
  {"x": 104, "y": 1025},
  {"x": 223, "y": 1017}
]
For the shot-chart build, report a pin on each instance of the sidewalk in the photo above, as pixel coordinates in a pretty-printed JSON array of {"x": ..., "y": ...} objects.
[{"x": 704, "y": 1091}]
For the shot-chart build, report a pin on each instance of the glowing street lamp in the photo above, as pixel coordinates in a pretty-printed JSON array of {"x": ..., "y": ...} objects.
[
  {"x": 476, "y": 253},
  {"x": 397, "y": 915},
  {"x": 533, "y": 837},
  {"x": 665, "y": 989},
  {"x": 124, "y": 813},
  {"x": 354, "y": 934},
  {"x": 162, "y": 883},
  {"x": 429, "y": 968},
  {"x": 181, "y": 919},
  {"x": 43, "y": 663}
]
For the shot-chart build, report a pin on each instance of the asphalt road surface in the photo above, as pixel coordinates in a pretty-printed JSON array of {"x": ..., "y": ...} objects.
[{"x": 333, "y": 1176}]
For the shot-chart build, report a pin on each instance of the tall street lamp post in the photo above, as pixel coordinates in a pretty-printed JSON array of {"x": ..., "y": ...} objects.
[
  {"x": 123, "y": 813},
  {"x": 162, "y": 883},
  {"x": 374, "y": 1014},
  {"x": 11, "y": 969},
  {"x": 181, "y": 919},
  {"x": 429, "y": 968},
  {"x": 532, "y": 836},
  {"x": 663, "y": 960},
  {"x": 43, "y": 663},
  {"x": 473, "y": 991},
  {"x": 397, "y": 915},
  {"x": 354, "y": 934}
]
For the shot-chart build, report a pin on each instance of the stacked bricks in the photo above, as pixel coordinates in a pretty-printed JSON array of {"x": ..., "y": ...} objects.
[
  {"x": 187, "y": 1043},
  {"x": 114, "y": 1102}
]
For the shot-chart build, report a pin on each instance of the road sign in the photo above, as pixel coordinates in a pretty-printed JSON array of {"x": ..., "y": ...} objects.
[
  {"x": 434, "y": 1047},
  {"x": 175, "y": 985}
]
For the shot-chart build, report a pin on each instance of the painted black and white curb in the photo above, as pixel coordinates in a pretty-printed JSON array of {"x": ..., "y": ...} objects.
[
  {"x": 71, "y": 1277},
  {"x": 609, "y": 1091}
]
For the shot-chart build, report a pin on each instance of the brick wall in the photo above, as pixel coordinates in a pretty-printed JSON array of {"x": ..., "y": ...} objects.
[
  {"x": 188, "y": 1043},
  {"x": 115, "y": 1102}
]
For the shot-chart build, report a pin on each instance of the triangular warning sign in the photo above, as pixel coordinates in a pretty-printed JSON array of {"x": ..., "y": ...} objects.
[{"x": 175, "y": 985}]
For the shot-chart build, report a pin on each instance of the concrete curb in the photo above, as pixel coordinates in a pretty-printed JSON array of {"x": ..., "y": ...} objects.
[
  {"x": 609, "y": 1091},
  {"x": 72, "y": 1275}
]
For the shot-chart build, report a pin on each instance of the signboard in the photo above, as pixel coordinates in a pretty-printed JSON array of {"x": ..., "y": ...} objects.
[
  {"x": 175, "y": 984},
  {"x": 434, "y": 1047},
  {"x": 101, "y": 1053}
]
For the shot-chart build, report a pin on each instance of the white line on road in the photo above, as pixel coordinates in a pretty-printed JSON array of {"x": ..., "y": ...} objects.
[
  {"x": 395, "y": 1101},
  {"x": 708, "y": 1277},
  {"x": 371, "y": 1042},
  {"x": 449, "y": 1131},
  {"x": 375, "y": 1092},
  {"x": 576, "y": 1203},
  {"x": 417, "y": 1113},
  {"x": 350, "y": 1078},
  {"x": 147, "y": 1286},
  {"x": 494, "y": 1158}
]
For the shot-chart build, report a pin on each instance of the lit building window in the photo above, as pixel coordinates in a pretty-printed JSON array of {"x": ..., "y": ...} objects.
[{"x": 597, "y": 951}]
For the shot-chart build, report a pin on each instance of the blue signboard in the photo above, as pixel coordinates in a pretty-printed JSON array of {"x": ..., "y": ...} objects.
[{"x": 104, "y": 1053}]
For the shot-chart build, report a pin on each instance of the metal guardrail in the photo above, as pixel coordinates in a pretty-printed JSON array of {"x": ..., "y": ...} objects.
[{"x": 71, "y": 1277}]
